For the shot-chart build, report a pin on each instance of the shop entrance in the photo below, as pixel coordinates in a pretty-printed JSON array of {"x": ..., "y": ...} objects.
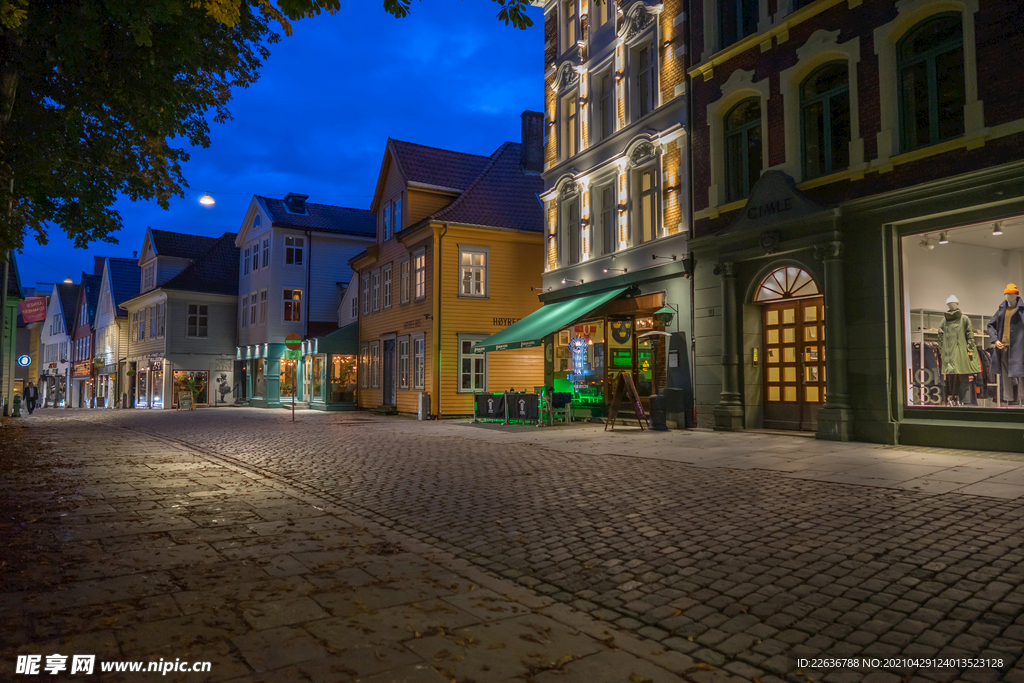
[{"x": 793, "y": 337}]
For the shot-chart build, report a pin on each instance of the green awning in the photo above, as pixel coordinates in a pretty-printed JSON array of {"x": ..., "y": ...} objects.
[{"x": 529, "y": 331}]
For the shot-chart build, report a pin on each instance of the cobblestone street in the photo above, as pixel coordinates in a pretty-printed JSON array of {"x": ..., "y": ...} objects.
[{"x": 731, "y": 568}]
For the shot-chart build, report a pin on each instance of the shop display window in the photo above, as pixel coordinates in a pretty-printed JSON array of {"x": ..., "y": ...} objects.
[
  {"x": 195, "y": 381},
  {"x": 963, "y": 316},
  {"x": 158, "y": 388},
  {"x": 343, "y": 379},
  {"x": 317, "y": 378},
  {"x": 259, "y": 379},
  {"x": 142, "y": 397}
]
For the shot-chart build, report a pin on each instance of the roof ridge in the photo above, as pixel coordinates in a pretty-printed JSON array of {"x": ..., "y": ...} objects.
[
  {"x": 476, "y": 181},
  {"x": 440, "y": 149},
  {"x": 333, "y": 206}
]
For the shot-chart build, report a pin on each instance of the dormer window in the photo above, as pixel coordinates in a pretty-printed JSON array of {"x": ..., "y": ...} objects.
[
  {"x": 296, "y": 203},
  {"x": 148, "y": 277}
]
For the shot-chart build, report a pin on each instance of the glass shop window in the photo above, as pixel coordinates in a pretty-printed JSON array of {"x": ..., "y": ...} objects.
[
  {"x": 579, "y": 357},
  {"x": 963, "y": 316}
]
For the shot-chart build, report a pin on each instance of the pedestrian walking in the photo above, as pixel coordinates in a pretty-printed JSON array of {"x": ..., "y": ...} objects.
[{"x": 31, "y": 395}]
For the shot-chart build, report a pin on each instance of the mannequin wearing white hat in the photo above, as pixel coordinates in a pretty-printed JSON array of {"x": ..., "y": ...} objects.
[{"x": 959, "y": 355}]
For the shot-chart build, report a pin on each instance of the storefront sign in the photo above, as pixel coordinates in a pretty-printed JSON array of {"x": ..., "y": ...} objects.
[
  {"x": 505, "y": 322},
  {"x": 81, "y": 369},
  {"x": 409, "y": 324},
  {"x": 770, "y": 208},
  {"x": 33, "y": 310},
  {"x": 622, "y": 331}
]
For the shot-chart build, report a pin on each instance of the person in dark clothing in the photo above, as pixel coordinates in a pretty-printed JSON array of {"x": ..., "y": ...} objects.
[{"x": 31, "y": 395}]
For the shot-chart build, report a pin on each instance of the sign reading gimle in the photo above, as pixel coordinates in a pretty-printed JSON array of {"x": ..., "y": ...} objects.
[{"x": 24, "y": 361}]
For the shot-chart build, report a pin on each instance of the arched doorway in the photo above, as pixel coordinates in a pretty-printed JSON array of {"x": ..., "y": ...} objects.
[{"x": 793, "y": 339}]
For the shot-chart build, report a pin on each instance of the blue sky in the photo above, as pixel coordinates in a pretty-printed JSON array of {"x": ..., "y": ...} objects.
[{"x": 449, "y": 75}]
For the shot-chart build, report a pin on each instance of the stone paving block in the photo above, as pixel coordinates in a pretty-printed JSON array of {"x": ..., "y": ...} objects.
[
  {"x": 608, "y": 667},
  {"x": 267, "y": 614}
]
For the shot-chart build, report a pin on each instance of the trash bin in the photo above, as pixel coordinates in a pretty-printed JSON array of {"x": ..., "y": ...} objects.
[{"x": 658, "y": 413}]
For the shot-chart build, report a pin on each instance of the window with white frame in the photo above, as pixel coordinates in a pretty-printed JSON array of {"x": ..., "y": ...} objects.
[
  {"x": 149, "y": 277},
  {"x": 645, "y": 209},
  {"x": 293, "y": 247},
  {"x": 152, "y": 322},
  {"x": 387, "y": 286},
  {"x": 404, "y": 286},
  {"x": 161, "y": 319},
  {"x": 366, "y": 294},
  {"x": 57, "y": 325},
  {"x": 473, "y": 271},
  {"x": 247, "y": 255},
  {"x": 571, "y": 230},
  {"x": 743, "y": 155},
  {"x": 292, "y": 299},
  {"x": 645, "y": 95},
  {"x": 83, "y": 314},
  {"x": 825, "y": 120},
  {"x": 263, "y": 307},
  {"x": 398, "y": 215},
  {"x": 375, "y": 365},
  {"x": 419, "y": 360},
  {"x": 570, "y": 25},
  {"x": 387, "y": 222},
  {"x": 568, "y": 138},
  {"x": 930, "y": 64},
  {"x": 419, "y": 273},
  {"x": 355, "y": 306},
  {"x": 245, "y": 311},
  {"x": 375, "y": 294},
  {"x": 403, "y": 363},
  {"x": 364, "y": 363},
  {"x": 603, "y": 106},
  {"x": 266, "y": 252},
  {"x": 600, "y": 12},
  {"x": 256, "y": 256},
  {"x": 198, "y": 320},
  {"x": 472, "y": 366},
  {"x": 604, "y": 203},
  {"x": 253, "y": 309},
  {"x": 140, "y": 317},
  {"x": 737, "y": 19}
]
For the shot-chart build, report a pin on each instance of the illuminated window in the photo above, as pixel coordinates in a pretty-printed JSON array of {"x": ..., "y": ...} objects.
[
  {"x": 292, "y": 299},
  {"x": 473, "y": 272}
]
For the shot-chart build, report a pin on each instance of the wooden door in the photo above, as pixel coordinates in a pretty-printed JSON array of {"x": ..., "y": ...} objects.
[{"x": 794, "y": 363}]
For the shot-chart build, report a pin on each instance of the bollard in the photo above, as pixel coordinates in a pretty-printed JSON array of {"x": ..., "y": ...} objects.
[
  {"x": 658, "y": 413},
  {"x": 16, "y": 406}
]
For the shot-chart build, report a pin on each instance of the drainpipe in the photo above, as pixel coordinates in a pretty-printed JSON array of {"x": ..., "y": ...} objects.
[
  {"x": 309, "y": 273},
  {"x": 693, "y": 260},
  {"x": 437, "y": 335}
]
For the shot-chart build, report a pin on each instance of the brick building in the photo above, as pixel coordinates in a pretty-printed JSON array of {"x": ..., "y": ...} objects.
[
  {"x": 616, "y": 192},
  {"x": 857, "y": 165}
]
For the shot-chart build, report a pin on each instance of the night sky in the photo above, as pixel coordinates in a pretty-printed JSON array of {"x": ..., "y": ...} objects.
[{"x": 449, "y": 75}]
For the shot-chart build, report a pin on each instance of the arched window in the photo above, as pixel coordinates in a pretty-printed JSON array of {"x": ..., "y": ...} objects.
[
  {"x": 787, "y": 282},
  {"x": 742, "y": 148},
  {"x": 931, "y": 71},
  {"x": 825, "y": 120}
]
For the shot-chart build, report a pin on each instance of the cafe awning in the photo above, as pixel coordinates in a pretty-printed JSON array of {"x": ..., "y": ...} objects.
[{"x": 529, "y": 331}]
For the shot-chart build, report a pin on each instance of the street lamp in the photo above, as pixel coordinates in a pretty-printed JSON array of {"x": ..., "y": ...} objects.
[{"x": 207, "y": 200}]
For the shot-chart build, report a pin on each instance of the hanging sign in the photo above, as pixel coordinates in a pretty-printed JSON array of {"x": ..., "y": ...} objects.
[
  {"x": 622, "y": 331},
  {"x": 293, "y": 341},
  {"x": 24, "y": 361},
  {"x": 33, "y": 310}
]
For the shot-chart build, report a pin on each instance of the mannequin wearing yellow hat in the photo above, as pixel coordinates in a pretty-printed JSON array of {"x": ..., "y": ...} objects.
[{"x": 1006, "y": 332}]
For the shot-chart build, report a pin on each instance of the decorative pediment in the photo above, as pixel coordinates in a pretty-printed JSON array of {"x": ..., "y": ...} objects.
[
  {"x": 638, "y": 18},
  {"x": 568, "y": 189},
  {"x": 819, "y": 40},
  {"x": 737, "y": 80},
  {"x": 774, "y": 200},
  {"x": 567, "y": 76},
  {"x": 640, "y": 153}
]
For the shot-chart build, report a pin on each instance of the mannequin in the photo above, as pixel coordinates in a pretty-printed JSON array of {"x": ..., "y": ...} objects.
[
  {"x": 959, "y": 352},
  {"x": 1006, "y": 332}
]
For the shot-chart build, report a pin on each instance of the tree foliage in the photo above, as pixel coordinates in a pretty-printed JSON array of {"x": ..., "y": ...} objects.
[{"x": 97, "y": 98}]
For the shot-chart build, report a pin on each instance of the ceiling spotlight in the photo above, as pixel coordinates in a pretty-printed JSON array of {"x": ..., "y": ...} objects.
[
  {"x": 997, "y": 230},
  {"x": 207, "y": 200},
  {"x": 942, "y": 238},
  {"x": 926, "y": 244}
]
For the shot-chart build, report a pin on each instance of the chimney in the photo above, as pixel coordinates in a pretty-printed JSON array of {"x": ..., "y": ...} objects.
[
  {"x": 533, "y": 142},
  {"x": 295, "y": 203},
  {"x": 97, "y": 264}
]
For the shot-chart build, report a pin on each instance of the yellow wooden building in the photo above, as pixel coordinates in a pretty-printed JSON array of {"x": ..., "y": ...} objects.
[{"x": 459, "y": 256}]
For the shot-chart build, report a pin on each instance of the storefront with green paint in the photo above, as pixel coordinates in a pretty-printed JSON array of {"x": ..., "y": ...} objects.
[{"x": 329, "y": 370}]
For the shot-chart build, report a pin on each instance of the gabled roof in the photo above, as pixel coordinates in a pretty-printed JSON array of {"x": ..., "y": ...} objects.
[
  {"x": 91, "y": 284},
  {"x": 502, "y": 196},
  {"x": 322, "y": 218},
  {"x": 13, "y": 281},
  {"x": 125, "y": 276},
  {"x": 213, "y": 272},
  {"x": 68, "y": 298},
  {"x": 179, "y": 244},
  {"x": 435, "y": 166}
]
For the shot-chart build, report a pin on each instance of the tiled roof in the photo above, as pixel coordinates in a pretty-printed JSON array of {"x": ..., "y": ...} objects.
[
  {"x": 68, "y": 294},
  {"x": 125, "y": 277},
  {"x": 503, "y": 196},
  {"x": 434, "y": 166},
  {"x": 322, "y": 218},
  {"x": 179, "y": 244},
  {"x": 92, "y": 293},
  {"x": 214, "y": 272}
]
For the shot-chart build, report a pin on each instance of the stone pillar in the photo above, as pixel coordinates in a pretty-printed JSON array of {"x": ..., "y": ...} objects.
[
  {"x": 835, "y": 417},
  {"x": 729, "y": 411}
]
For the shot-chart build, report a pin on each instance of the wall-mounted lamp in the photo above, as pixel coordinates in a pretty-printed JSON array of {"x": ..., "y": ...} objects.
[
  {"x": 616, "y": 270},
  {"x": 584, "y": 222},
  {"x": 997, "y": 230},
  {"x": 942, "y": 238},
  {"x": 618, "y": 75},
  {"x": 583, "y": 99},
  {"x": 540, "y": 289},
  {"x": 551, "y": 122},
  {"x": 622, "y": 207},
  {"x": 428, "y": 316},
  {"x": 667, "y": 43},
  {"x": 566, "y": 280},
  {"x": 655, "y": 257}
]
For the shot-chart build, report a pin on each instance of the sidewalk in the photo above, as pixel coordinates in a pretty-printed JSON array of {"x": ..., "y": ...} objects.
[{"x": 130, "y": 547}]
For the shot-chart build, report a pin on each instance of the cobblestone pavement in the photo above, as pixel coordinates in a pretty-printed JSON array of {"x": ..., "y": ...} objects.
[
  {"x": 743, "y": 569},
  {"x": 134, "y": 549}
]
